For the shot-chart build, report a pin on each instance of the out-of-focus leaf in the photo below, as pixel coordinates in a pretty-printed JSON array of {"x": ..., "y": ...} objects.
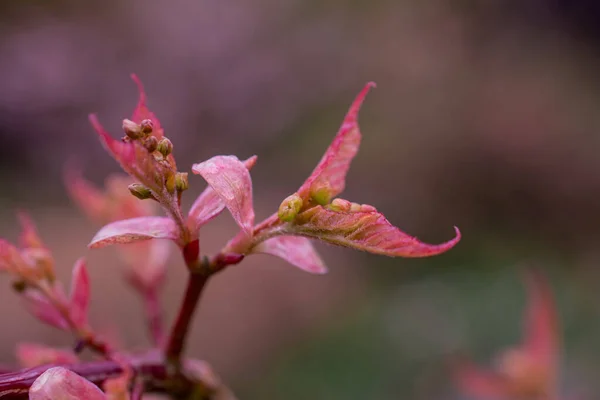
[{"x": 80, "y": 294}]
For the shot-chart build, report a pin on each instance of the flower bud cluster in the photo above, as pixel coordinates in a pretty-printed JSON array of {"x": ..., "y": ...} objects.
[{"x": 161, "y": 149}]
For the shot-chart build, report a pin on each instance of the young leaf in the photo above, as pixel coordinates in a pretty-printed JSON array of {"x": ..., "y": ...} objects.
[
  {"x": 331, "y": 171},
  {"x": 135, "y": 230},
  {"x": 142, "y": 112},
  {"x": 363, "y": 230},
  {"x": 10, "y": 259},
  {"x": 209, "y": 204},
  {"x": 133, "y": 157},
  {"x": 296, "y": 250},
  {"x": 41, "y": 308},
  {"x": 80, "y": 294},
  {"x": 61, "y": 383},
  {"x": 29, "y": 237},
  {"x": 31, "y": 355},
  {"x": 88, "y": 197},
  {"x": 230, "y": 179}
]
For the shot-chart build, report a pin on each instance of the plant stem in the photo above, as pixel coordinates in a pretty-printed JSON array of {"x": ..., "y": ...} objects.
[{"x": 177, "y": 338}]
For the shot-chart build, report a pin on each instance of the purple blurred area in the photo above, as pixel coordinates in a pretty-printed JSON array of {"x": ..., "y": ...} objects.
[{"x": 485, "y": 116}]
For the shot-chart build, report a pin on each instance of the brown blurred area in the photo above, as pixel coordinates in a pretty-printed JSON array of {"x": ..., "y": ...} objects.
[{"x": 485, "y": 117}]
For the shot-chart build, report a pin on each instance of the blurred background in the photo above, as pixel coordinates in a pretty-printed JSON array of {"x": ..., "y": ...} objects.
[{"x": 485, "y": 117}]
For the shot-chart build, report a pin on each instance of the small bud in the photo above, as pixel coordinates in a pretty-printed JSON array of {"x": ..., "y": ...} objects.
[
  {"x": 340, "y": 205},
  {"x": 181, "y": 181},
  {"x": 140, "y": 191},
  {"x": 147, "y": 126},
  {"x": 367, "y": 208},
  {"x": 170, "y": 183},
  {"x": 165, "y": 147},
  {"x": 131, "y": 129},
  {"x": 151, "y": 144},
  {"x": 355, "y": 207},
  {"x": 321, "y": 194},
  {"x": 290, "y": 207}
]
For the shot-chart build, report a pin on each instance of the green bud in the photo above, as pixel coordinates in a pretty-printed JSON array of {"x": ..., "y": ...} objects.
[
  {"x": 181, "y": 181},
  {"x": 151, "y": 144},
  {"x": 340, "y": 205},
  {"x": 170, "y": 183},
  {"x": 147, "y": 126},
  {"x": 321, "y": 193},
  {"x": 165, "y": 147},
  {"x": 290, "y": 207},
  {"x": 131, "y": 129},
  {"x": 140, "y": 191},
  {"x": 355, "y": 207}
]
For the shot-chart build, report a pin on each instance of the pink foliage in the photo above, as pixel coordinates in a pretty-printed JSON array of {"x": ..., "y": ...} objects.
[
  {"x": 231, "y": 181},
  {"x": 32, "y": 354},
  {"x": 296, "y": 250},
  {"x": 61, "y": 383},
  {"x": 135, "y": 230},
  {"x": 80, "y": 294}
]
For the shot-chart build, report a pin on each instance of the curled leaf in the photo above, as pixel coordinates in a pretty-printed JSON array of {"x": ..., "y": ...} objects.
[
  {"x": 363, "y": 230},
  {"x": 209, "y": 204},
  {"x": 64, "y": 384},
  {"x": 231, "y": 181},
  {"x": 296, "y": 250},
  {"x": 32, "y": 355},
  {"x": 135, "y": 230},
  {"x": 330, "y": 174},
  {"x": 80, "y": 294}
]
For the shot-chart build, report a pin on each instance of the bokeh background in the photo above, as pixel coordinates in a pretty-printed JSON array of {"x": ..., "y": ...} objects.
[{"x": 485, "y": 116}]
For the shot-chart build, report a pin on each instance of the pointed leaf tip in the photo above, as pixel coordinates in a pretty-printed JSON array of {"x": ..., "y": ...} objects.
[
  {"x": 330, "y": 173},
  {"x": 231, "y": 181},
  {"x": 368, "y": 231},
  {"x": 135, "y": 230},
  {"x": 296, "y": 250},
  {"x": 80, "y": 294}
]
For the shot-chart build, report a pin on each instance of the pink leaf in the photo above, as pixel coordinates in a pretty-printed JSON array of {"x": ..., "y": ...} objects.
[
  {"x": 541, "y": 341},
  {"x": 142, "y": 112},
  {"x": 29, "y": 237},
  {"x": 88, "y": 197},
  {"x": 209, "y": 204},
  {"x": 230, "y": 179},
  {"x": 481, "y": 383},
  {"x": 363, "y": 230},
  {"x": 133, "y": 157},
  {"x": 32, "y": 355},
  {"x": 61, "y": 383},
  {"x": 135, "y": 230},
  {"x": 333, "y": 167},
  {"x": 41, "y": 308},
  {"x": 80, "y": 294},
  {"x": 296, "y": 250}
]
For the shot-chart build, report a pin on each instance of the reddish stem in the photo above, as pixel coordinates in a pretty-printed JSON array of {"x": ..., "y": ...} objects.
[{"x": 176, "y": 343}]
